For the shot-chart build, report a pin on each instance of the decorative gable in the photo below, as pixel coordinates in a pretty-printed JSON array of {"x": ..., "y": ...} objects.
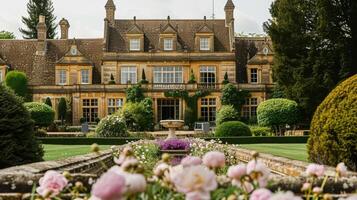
[
  {"x": 204, "y": 34},
  {"x": 135, "y": 29},
  {"x": 74, "y": 56},
  {"x": 205, "y": 29}
]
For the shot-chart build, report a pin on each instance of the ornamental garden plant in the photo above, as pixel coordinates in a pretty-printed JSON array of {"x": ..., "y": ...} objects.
[{"x": 211, "y": 175}]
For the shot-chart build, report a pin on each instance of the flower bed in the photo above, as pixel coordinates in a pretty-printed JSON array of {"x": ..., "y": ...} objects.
[{"x": 140, "y": 173}]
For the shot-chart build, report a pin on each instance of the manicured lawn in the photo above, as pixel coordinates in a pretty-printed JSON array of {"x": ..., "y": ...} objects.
[
  {"x": 55, "y": 152},
  {"x": 292, "y": 151}
]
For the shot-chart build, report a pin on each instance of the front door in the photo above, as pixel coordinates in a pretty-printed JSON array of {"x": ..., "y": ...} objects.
[{"x": 168, "y": 109}]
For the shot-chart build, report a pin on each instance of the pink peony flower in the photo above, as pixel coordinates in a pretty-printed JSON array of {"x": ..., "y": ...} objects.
[
  {"x": 315, "y": 170},
  {"x": 261, "y": 194},
  {"x": 110, "y": 186},
  {"x": 317, "y": 190},
  {"x": 52, "y": 183},
  {"x": 134, "y": 183},
  {"x": 195, "y": 181},
  {"x": 237, "y": 172},
  {"x": 306, "y": 187},
  {"x": 257, "y": 170},
  {"x": 214, "y": 159},
  {"x": 341, "y": 169},
  {"x": 353, "y": 197},
  {"x": 160, "y": 169},
  {"x": 285, "y": 196},
  {"x": 190, "y": 161}
]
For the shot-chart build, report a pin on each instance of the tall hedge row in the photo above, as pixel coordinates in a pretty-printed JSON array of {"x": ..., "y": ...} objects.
[
  {"x": 41, "y": 113},
  {"x": 333, "y": 136}
]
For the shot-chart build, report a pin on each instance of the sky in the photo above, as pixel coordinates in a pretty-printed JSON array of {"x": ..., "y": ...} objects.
[{"x": 86, "y": 16}]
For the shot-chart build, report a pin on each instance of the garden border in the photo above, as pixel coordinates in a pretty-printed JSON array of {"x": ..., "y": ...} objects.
[{"x": 228, "y": 140}]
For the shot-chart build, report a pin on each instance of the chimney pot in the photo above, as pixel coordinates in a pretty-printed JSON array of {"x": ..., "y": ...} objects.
[{"x": 42, "y": 19}]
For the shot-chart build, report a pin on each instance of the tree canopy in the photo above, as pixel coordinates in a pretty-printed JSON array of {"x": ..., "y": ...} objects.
[
  {"x": 6, "y": 35},
  {"x": 314, "y": 43},
  {"x": 35, "y": 8}
]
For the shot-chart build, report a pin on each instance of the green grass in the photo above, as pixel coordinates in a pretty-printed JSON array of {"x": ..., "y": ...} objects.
[
  {"x": 55, "y": 152},
  {"x": 291, "y": 151}
]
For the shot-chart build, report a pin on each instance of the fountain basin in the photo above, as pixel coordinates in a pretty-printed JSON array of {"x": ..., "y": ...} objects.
[{"x": 172, "y": 125}]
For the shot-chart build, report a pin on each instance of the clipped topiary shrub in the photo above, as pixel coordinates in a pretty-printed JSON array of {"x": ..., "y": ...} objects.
[
  {"x": 232, "y": 128},
  {"x": 18, "y": 144},
  {"x": 112, "y": 126},
  {"x": 276, "y": 113},
  {"x": 17, "y": 81},
  {"x": 225, "y": 114},
  {"x": 260, "y": 131},
  {"x": 41, "y": 113},
  {"x": 333, "y": 132}
]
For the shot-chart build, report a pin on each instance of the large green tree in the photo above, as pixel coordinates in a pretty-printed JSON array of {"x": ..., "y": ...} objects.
[
  {"x": 6, "y": 35},
  {"x": 313, "y": 48},
  {"x": 35, "y": 8}
]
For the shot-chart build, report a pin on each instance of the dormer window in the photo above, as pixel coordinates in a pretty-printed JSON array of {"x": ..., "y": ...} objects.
[
  {"x": 168, "y": 44},
  {"x": 204, "y": 44},
  {"x": 134, "y": 44}
]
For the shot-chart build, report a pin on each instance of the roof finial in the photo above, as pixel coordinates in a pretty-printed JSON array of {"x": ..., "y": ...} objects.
[
  {"x": 205, "y": 18},
  {"x": 168, "y": 18},
  {"x": 135, "y": 19}
]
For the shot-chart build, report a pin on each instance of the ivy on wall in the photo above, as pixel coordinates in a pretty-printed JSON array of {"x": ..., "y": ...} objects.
[{"x": 191, "y": 102}]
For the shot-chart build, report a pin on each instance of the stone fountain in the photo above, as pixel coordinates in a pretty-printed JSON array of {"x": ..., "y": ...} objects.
[{"x": 172, "y": 125}]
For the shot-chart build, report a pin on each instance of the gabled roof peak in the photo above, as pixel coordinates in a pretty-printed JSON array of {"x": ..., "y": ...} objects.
[{"x": 205, "y": 29}]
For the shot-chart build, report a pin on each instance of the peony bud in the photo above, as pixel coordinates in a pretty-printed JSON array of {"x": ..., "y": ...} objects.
[
  {"x": 95, "y": 148},
  {"x": 306, "y": 187},
  {"x": 327, "y": 197},
  {"x": 165, "y": 157},
  {"x": 67, "y": 175}
]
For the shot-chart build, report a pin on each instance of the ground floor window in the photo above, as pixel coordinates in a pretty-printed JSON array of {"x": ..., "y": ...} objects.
[
  {"x": 249, "y": 109},
  {"x": 114, "y": 104},
  {"x": 90, "y": 109},
  {"x": 168, "y": 109},
  {"x": 208, "y": 109}
]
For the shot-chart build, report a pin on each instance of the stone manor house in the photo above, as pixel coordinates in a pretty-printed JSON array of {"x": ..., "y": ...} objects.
[{"x": 166, "y": 50}]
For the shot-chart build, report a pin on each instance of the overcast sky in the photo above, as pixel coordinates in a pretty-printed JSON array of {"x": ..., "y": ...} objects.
[{"x": 86, "y": 16}]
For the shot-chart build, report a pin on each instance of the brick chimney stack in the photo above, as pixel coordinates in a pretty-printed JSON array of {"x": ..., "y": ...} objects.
[
  {"x": 64, "y": 24},
  {"x": 41, "y": 28}
]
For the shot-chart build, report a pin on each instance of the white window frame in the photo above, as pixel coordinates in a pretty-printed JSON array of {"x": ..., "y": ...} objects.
[
  {"x": 128, "y": 75},
  {"x": 254, "y": 76},
  {"x": 168, "y": 44},
  {"x": 206, "y": 70},
  {"x": 209, "y": 107},
  {"x": 114, "y": 104},
  {"x": 62, "y": 77},
  {"x": 204, "y": 44},
  {"x": 168, "y": 74},
  {"x": 134, "y": 44},
  {"x": 85, "y": 76}
]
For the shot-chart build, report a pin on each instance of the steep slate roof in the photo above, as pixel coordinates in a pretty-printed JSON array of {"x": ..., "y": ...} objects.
[
  {"x": 20, "y": 55},
  {"x": 186, "y": 30}
]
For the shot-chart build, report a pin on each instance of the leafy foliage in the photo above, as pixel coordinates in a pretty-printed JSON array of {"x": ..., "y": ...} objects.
[
  {"x": 191, "y": 103},
  {"x": 333, "y": 137},
  {"x": 234, "y": 97},
  {"x": 48, "y": 102},
  {"x": 135, "y": 94},
  {"x": 260, "y": 131},
  {"x": 62, "y": 109},
  {"x": 112, "y": 126},
  {"x": 17, "y": 81},
  {"x": 225, "y": 114},
  {"x": 41, "y": 113},
  {"x": 315, "y": 48},
  {"x": 18, "y": 144},
  {"x": 6, "y": 35},
  {"x": 35, "y": 8},
  {"x": 276, "y": 113},
  {"x": 138, "y": 116},
  {"x": 232, "y": 128}
]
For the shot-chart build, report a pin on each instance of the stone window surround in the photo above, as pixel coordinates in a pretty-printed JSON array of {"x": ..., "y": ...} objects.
[
  {"x": 168, "y": 36},
  {"x": 250, "y": 104},
  {"x": 71, "y": 68},
  {"x": 211, "y": 104},
  {"x": 121, "y": 72},
  {"x": 139, "y": 37},
  {"x": 200, "y": 36},
  {"x": 260, "y": 69},
  {"x": 114, "y": 107},
  {"x": 207, "y": 71}
]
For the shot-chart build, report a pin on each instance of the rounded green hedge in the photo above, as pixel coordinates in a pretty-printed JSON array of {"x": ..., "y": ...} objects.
[
  {"x": 225, "y": 114},
  {"x": 138, "y": 116},
  {"x": 333, "y": 137},
  {"x": 18, "y": 143},
  {"x": 277, "y": 112},
  {"x": 261, "y": 131},
  {"x": 41, "y": 113},
  {"x": 112, "y": 126},
  {"x": 17, "y": 81},
  {"x": 232, "y": 128}
]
